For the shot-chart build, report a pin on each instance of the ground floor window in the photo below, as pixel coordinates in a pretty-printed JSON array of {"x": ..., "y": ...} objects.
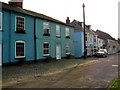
[
  {"x": 67, "y": 48},
  {"x": 20, "y": 49},
  {"x": 46, "y": 49}
]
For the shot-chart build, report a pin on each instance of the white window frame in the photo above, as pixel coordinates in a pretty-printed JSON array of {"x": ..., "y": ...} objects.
[
  {"x": 66, "y": 32},
  {"x": 1, "y": 20},
  {"x": 15, "y": 49},
  {"x": 87, "y": 37},
  {"x": 16, "y": 22},
  {"x": 58, "y": 28},
  {"x": 47, "y": 49},
  {"x": 67, "y": 47},
  {"x": 44, "y": 24}
]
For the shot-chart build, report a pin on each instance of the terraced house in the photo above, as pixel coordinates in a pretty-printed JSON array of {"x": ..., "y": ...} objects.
[
  {"x": 30, "y": 36},
  {"x": 79, "y": 38}
]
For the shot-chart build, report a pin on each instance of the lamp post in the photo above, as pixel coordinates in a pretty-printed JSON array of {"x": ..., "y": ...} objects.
[{"x": 85, "y": 52}]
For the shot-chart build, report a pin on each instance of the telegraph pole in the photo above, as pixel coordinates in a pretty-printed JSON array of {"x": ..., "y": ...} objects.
[{"x": 85, "y": 52}]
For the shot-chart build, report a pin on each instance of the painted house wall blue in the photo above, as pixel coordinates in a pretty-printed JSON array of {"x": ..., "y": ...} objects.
[
  {"x": 52, "y": 39},
  {"x": 10, "y": 37},
  {"x": 79, "y": 44}
]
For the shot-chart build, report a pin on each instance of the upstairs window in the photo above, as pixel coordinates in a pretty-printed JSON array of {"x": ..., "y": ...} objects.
[
  {"x": 20, "y": 49},
  {"x": 0, "y": 20},
  {"x": 95, "y": 39},
  {"x": 20, "y": 24},
  {"x": 46, "y": 49},
  {"x": 67, "y": 48},
  {"x": 46, "y": 28},
  {"x": 87, "y": 37},
  {"x": 67, "y": 33},
  {"x": 57, "y": 30}
]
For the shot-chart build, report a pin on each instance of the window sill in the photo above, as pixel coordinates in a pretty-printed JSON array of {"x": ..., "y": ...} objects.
[
  {"x": 58, "y": 36},
  {"x": 47, "y": 55},
  {"x": 46, "y": 34},
  {"x": 20, "y": 57},
  {"x": 67, "y": 53},
  {"x": 1, "y": 30}
]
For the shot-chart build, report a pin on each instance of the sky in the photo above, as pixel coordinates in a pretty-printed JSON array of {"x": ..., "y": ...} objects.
[{"x": 101, "y": 14}]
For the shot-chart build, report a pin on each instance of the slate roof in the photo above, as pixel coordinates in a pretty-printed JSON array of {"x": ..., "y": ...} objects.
[
  {"x": 104, "y": 35},
  {"x": 31, "y": 13},
  {"x": 78, "y": 26}
]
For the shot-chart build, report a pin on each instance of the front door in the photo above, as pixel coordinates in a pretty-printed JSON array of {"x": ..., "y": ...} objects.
[
  {"x": 58, "y": 52},
  {"x": 0, "y": 54}
]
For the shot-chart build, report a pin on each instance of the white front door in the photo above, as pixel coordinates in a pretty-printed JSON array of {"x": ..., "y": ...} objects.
[
  {"x": 0, "y": 54},
  {"x": 58, "y": 52}
]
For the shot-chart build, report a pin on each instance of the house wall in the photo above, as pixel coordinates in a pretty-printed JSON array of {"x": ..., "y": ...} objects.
[
  {"x": 111, "y": 46},
  {"x": 101, "y": 42},
  {"x": 10, "y": 37},
  {"x": 89, "y": 44},
  {"x": 79, "y": 44},
  {"x": 52, "y": 39}
]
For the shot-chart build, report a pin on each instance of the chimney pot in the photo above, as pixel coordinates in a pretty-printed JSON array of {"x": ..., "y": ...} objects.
[
  {"x": 67, "y": 20},
  {"x": 17, "y": 3}
]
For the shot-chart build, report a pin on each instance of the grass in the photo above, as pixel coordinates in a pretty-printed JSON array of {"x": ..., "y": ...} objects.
[{"x": 115, "y": 85}]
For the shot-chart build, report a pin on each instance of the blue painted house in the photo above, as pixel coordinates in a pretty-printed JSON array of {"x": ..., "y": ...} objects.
[
  {"x": 79, "y": 39},
  {"x": 30, "y": 36},
  {"x": 17, "y": 34}
]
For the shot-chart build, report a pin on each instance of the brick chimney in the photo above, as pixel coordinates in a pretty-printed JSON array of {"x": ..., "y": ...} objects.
[
  {"x": 17, "y": 3},
  {"x": 67, "y": 20}
]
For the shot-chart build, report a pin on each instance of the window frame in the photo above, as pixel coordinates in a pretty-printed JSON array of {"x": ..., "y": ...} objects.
[
  {"x": 87, "y": 37},
  {"x": 15, "y": 49},
  {"x": 95, "y": 39},
  {"x": 67, "y": 48},
  {"x": 66, "y": 32},
  {"x": 16, "y": 23},
  {"x": 1, "y": 21},
  {"x": 44, "y": 49},
  {"x": 44, "y": 24},
  {"x": 59, "y": 31}
]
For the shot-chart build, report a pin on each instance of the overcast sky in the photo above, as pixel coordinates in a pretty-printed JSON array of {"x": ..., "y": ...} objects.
[{"x": 101, "y": 14}]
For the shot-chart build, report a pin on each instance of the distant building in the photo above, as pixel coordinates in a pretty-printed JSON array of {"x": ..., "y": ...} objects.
[
  {"x": 95, "y": 42},
  {"x": 106, "y": 41},
  {"x": 118, "y": 45},
  {"x": 79, "y": 39}
]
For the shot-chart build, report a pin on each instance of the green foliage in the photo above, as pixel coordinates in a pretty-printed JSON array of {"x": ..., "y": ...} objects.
[{"x": 115, "y": 85}]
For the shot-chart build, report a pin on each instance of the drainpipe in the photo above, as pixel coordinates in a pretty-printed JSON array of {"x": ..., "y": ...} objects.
[
  {"x": 35, "y": 40},
  {"x": 10, "y": 40}
]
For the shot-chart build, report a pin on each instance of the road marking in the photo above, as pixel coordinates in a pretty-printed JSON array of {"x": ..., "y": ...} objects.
[{"x": 114, "y": 65}]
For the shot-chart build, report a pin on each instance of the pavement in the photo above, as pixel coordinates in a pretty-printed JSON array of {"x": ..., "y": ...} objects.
[
  {"x": 73, "y": 73},
  {"x": 15, "y": 74}
]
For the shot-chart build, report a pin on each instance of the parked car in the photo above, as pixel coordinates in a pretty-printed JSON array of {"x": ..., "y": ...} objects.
[{"x": 102, "y": 53}]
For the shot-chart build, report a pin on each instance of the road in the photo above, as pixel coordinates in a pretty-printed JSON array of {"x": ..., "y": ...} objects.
[{"x": 96, "y": 75}]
